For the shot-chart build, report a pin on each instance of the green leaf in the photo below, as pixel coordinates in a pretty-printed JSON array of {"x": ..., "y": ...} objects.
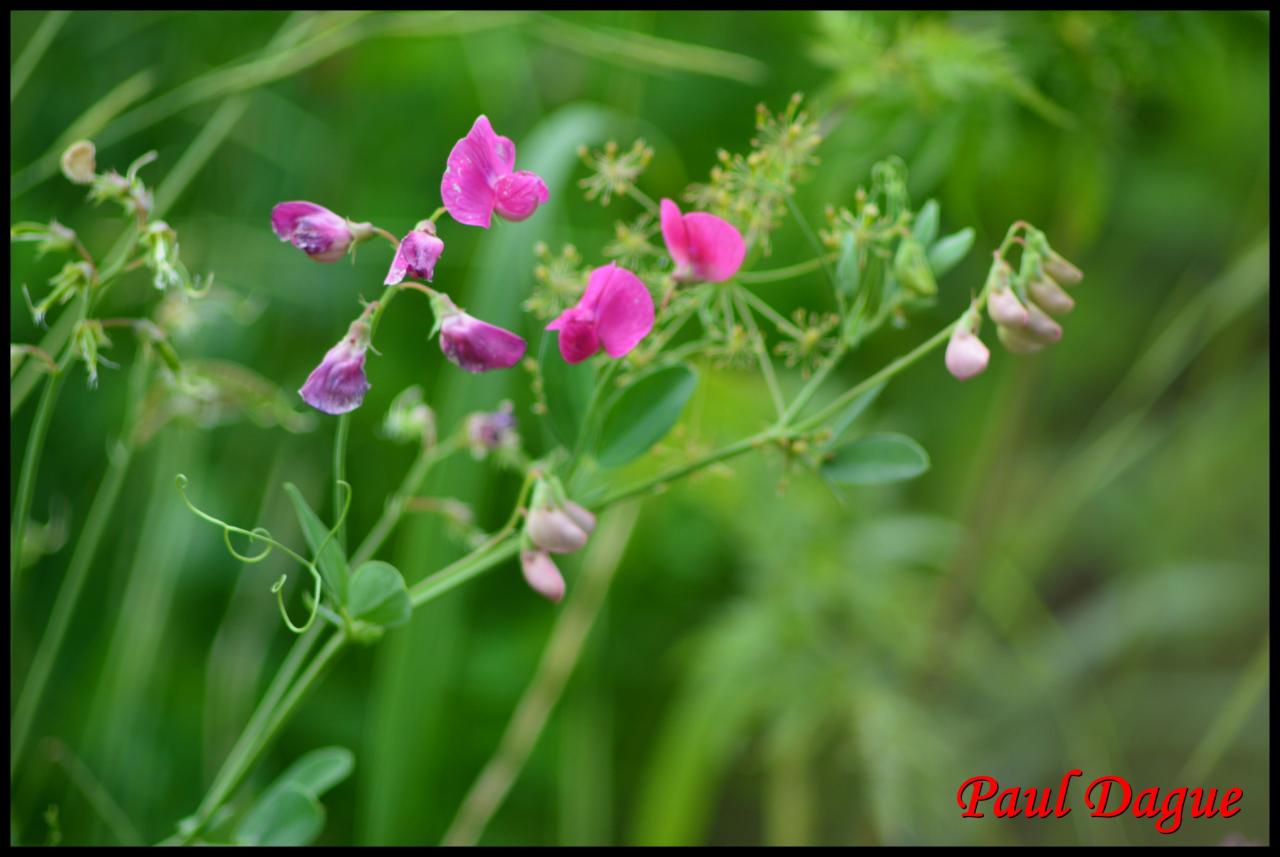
[
  {"x": 854, "y": 410},
  {"x": 288, "y": 814},
  {"x": 925, "y": 228},
  {"x": 567, "y": 389},
  {"x": 379, "y": 596},
  {"x": 876, "y": 460},
  {"x": 847, "y": 270},
  {"x": 319, "y": 770},
  {"x": 642, "y": 414},
  {"x": 332, "y": 561},
  {"x": 949, "y": 250}
]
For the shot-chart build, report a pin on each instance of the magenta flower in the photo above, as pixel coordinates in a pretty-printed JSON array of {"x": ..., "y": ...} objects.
[
  {"x": 703, "y": 246},
  {"x": 541, "y": 574},
  {"x": 338, "y": 384},
  {"x": 475, "y": 345},
  {"x": 481, "y": 179},
  {"x": 416, "y": 256},
  {"x": 313, "y": 229},
  {"x": 615, "y": 312}
]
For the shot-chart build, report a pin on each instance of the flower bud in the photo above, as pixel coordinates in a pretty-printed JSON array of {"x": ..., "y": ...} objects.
[
  {"x": 78, "y": 163},
  {"x": 417, "y": 255},
  {"x": 1042, "y": 328},
  {"x": 490, "y": 431},
  {"x": 583, "y": 518},
  {"x": 1017, "y": 341},
  {"x": 1050, "y": 296},
  {"x": 542, "y": 575},
  {"x": 967, "y": 356},
  {"x": 1062, "y": 270},
  {"x": 477, "y": 346},
  {"x": 338, "y": 384},
  {"x": 313, "y": 229},
  {"x": 1004, "y": 307},
  {"x": 552, "y": 529},
  {"x": 518, "y": 195}
]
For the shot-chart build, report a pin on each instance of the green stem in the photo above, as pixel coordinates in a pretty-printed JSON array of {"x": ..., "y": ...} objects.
[
  {"x": 30, "y": 465},
  {"x": 806, "y": 393},
  {"x": 762, "y": 352},
  {"x": 737, "y": 448},
  {"x": 642, "y": 198},
  {"x": 340, "y": 476},
  {"x": 78, "y": 571},
  {"x": 816, "y": 245},
  {"x": 772, "y": 314},
  {"x": 777, "y": 274},
  {"x": 451, "y": 576}
]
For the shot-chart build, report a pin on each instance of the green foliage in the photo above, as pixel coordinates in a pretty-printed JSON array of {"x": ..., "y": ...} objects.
[
  {"x": 641, "y": 415},
  {"x": 875, "y": 460}
]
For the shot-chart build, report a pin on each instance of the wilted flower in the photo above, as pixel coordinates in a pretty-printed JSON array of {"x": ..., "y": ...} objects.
[
  {"x": 481, "y": 179},
  {"x": 338, "y": 384},
  {"x": 703, "y": 246},
  {"x": 417, "y": 255},
  {"x": 313, "y": 229},
  {"x": 616, "y": 312},
  {"x": 472, "y": 344},
  {"x": 489, "y": 431},
  {"x": 542, "y": 575},
  {"x": 967, "y": 356},
  {"x": 78, "y": 163}
]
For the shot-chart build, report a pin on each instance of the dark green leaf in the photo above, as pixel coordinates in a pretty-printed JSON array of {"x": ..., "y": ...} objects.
[
  {"x": 288, "y": 814},
  {"x": 567, "y": 389},
  {"x": 949, "y": 250},
  {"x": 877, "y": 459},
  {"x": 642, "y": 414},
  {"x": 332, "y": 561},
  {"x": 379, "y": 596}
]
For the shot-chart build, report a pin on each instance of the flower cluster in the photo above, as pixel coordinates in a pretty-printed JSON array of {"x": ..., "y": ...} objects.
[{"x": 555, "y": 524}]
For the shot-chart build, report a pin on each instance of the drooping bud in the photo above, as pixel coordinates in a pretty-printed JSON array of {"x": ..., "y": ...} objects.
[
  {"x": 1042, "y": 328},
  {"x": 472, "y": 344},
  {"x": 553, "y": 530},
  {"x": 417, "y": 255},
  {"x": 1002, "y": 304},
  {"x": 338, "y": 384},
  {"x": 1017, "y": 341},
  {"x": 542, "y": 575},
  {"x": 1050, "y": 296},
  {"x": 78, "y": 163},
  {"x": 967, "y": 356},
  {"x": 313, "y": 229},
  {"x": 1062, "y": 270},
  {"x": 582, "y": 517}
]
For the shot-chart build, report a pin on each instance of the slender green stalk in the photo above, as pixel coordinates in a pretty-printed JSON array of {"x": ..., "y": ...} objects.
[
  {"x": 762, "y": 352},
  {"x": 78, "y": 571},
  {"x": 772, "y": 314},
  {"x": 30, "y": 465},
  {"x": 806, "y": 393},
  {"x": 35, "y": 49},
  {"x": 97, "y": 795},
  {"x": 789, "y": 272},
  {"x": 457, "y": 573},
  {"x": 340, "y": 476},
  {"x": 812, "y": 238}
]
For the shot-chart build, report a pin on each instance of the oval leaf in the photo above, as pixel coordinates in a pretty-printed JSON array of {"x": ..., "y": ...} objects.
[
  {"x": 642, "y": 414},
  {"x": 379, "y": 596},
  {"x": 950, "y": 249},
  {"x": 320, "y": 770},
  {"x": 332, "y": 561},
  {"x": 925, "y": 228},
  {"x": 285, "y": 815},
  {"x": 566, "y": 388},
  {"x": 877, "y": 459}
]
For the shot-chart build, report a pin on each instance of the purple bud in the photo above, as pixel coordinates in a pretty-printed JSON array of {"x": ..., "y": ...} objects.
[
  {"x": 478, "y": 346},
  {"x": 489, "y": 431},
  {"x": 542, "y": 575},
  {"x": 338, "y": 384},
  {"x": 1062, "y": 270},
  {"x": 1050, "y": 297},
  {"x": 552, "y": 529},
  {"x": 313, "y": 229},
  {"x": 1005, "y": 308},
  {"x": 966, "y": 354},
  {"x": 416, "y": 256}
]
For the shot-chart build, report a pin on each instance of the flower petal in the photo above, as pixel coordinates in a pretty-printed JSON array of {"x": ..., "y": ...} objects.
[
  {"x": 624, "y": 314},
  {"x": 415, "y": 257},
  {"x": 313, "y": 229},
  {"x": 475, "y": 164},
  {"x": 519, "y": 194},
  {"x": 674, "y": 234},
  {"x": 716, "y": 246},
  {"x": 578, "y": 337},
  {"x": 338, "y": 384},
  {"x": 478, "y": 346}
]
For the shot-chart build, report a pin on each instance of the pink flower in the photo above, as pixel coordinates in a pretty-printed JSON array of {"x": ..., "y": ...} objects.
[
  {"x": 481, "y": 179},
  {"x": 416, "y": 256},
  {"x": 541, "y": 574},
  {"x": 616, "y": 311},
  {"x": 313, "y": 229},
  {"x": 338, "y": 384},
  {"x": 478, "y": 346},
  {"x": 966, "y": 356},
  {"x": 703, "y": 246}
]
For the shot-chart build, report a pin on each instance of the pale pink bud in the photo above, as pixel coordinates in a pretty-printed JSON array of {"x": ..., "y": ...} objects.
[
  {"x": 542, "y": 575},
  {"x": 1042, "y": 328},
  {"x": 553, "y": 530},
  {"x": 1017, "y": 341},
  {"x": 967, "y": 356},
  {"x": 1050, "y": 297},
  {"x": 582, "y": 517},
  {"x": 1062, "y": 270},
  {"x": 1004, "y": 307}
]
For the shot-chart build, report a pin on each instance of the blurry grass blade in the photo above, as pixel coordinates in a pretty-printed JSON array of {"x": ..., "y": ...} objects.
[
  {"x": 1248, "y": 692},
  {"x": 650, "y": 53},
  {"x": 35, "y": 49},
  {"x": 106, "y": 108}
]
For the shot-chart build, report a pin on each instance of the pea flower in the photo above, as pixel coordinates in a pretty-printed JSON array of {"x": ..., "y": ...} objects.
[
  {"x": 481, "y": 179},
  {"x": 472, "y": 344},
  {"x": 616, "y": 312},
  {"x": 417, "y": 255},
  {"x": 338, "y": 384},
  {"x": 966, "y": 355},
  {"x": 315, "y": 230},
  {"x": 542, "y": 575},
  {"x": 703, "y": 246}
]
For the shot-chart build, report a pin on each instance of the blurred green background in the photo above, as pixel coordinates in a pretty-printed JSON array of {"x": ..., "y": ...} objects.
[{"x": 1080, "y": 581}]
